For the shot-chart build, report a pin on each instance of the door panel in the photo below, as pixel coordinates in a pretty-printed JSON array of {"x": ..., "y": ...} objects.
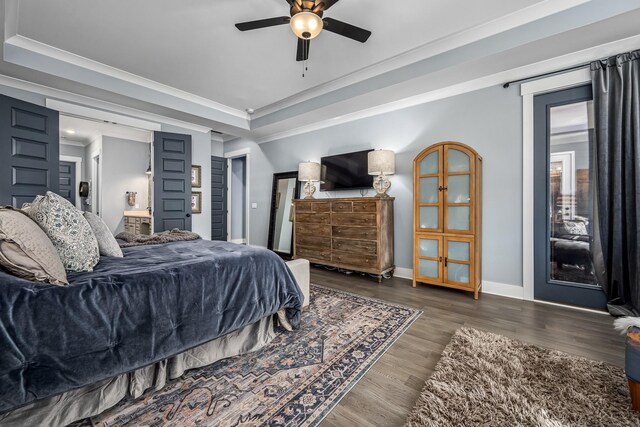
[
  {"x": 219, "y": 188},
  {"x": 459, "y": 191},
  {"x": 67, "y": 181},
  {"x": 428, "y": 192},
  {"x": 458, "y": 267},
  {"x": 563, "y": 199},
  {"x": 429, "y": 256},
  {"x": 29, "y": 151},
  {"x": 171, "y": 181}
]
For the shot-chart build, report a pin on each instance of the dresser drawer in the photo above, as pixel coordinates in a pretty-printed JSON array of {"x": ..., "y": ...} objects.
[
  {"x": 321, "y": 207},
  {"x": 367, "y": 206},
  {"x": 363, "y": 233},
  {"x": 365, "y": 247},
  {"x": 313, "y": 230},
  {"x": 313, "y": 218},
  {"x": 353, "y": 219},
  {"x": 313, "y": 241},
  {"x": 313, "y": 253},
  {"x": 303, "y": 206},
  {"x": 342, "y": 207},
  {"x": 350, "y": 259}
]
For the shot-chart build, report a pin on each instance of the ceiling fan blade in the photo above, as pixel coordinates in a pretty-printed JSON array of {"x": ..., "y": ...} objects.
[
  {"x": 303, "y": 49},
  {"x": 263, "y": 23},
  {"x": 328, "y": 3},
  {"x": 346, "y": 30}
]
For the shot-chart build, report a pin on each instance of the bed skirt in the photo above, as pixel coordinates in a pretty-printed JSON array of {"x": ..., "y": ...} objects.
[{"x": 93, "y": 399}]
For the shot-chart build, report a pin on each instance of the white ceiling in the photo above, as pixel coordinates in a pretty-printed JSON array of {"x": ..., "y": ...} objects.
[
  {"x": 194, "y": 46},
  {"x": 185, "y": 62},
  {"x": 84, "y": 131}
]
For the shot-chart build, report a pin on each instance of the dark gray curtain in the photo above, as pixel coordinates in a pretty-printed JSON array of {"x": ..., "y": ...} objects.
[{"x": 616, "y": 97}]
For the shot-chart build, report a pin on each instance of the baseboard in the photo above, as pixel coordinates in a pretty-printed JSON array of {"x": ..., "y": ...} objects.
[
  {"x": 493, "y": 288},
  {"x": 239, "y": 241}
]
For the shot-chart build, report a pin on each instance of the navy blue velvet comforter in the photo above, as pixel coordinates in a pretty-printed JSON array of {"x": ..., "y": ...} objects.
[{"x": 129, "y": 312}]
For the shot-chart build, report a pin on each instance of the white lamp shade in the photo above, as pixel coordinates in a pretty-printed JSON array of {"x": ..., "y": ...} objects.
[
  {"x": 309, "y": 171},
  {"x": 306, "y": 25},
  {"x": 382, "y": 162}
]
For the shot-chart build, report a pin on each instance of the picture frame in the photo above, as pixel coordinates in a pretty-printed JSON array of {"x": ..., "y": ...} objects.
[
  {"x": 196, "y": 176},
  {"x": 196, "y": 202}
]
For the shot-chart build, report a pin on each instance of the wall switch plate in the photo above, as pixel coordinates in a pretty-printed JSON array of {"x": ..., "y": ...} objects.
[
  {"x": 254, "y": 206},
  {"x": 137, "y": 206}
]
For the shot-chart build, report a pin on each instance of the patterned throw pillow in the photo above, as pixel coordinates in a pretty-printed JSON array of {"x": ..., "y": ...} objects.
[
  {"x": 106, "y": 242},
  {"x": 68, "y": 230},
  {"x": 26, "y": 252}
]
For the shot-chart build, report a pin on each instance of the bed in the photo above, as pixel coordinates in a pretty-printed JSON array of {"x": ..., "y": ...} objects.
[{"x": 153, "y": 308}]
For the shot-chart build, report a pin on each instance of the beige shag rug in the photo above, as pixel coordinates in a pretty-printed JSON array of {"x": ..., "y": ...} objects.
[{"x": 485, "y": 379}]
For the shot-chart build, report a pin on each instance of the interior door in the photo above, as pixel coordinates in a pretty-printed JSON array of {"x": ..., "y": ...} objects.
[
  {"x": 171, "y": 181},
  {"x": 429, "y": 258},
  {"x": 459, "y": 168},
  {"x": 219, "y": 189},
  {"x": 67, "y": 179},
  {"x": 428, "y": 191},
  {"x": 458, "y": 267},
  {"x": 29, "y": 151},
  {"x": 563, "y": 199}
]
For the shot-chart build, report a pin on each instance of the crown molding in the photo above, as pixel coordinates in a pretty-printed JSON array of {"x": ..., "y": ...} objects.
[
  {"x": 65, "y": 141},
  {"x": 546, "y": 66},
  {"x": 93, "y": 103},
  {"x": 496, "y": 26},
  {"x": 33, "y": 54}
]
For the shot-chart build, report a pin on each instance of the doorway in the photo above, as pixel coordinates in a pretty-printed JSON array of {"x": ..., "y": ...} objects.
[
  {"x": 238, "y": 196},
  {"x": 563, "y": 199}
]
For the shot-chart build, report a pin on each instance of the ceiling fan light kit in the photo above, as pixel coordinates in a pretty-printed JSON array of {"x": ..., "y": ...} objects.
[{"x": 306, "y": 23}]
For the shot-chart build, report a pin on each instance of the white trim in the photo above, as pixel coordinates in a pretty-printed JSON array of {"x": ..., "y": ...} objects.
[
  {"x": 573, "y": 307},
  {"x": 53, "y": 53},
  {"x": 78, "y": 163},
  {"x": 96, "y": 103},
  {"x": 528, "y": 90},
  {"x": 239, "y": 241},
  {"x": 65, "y": 141},
  {"x": 568, "y": 181},
  {"x": 246, "y": 153},
  {"x": 92, "y": 113},
  {"x": 504, "y": 23},
  {"x": 502, "y": 289},
  {"x": 403, "y": 273}
]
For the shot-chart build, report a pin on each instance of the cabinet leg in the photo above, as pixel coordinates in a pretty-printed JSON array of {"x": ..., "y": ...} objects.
[
  {"x": 414, "y": 283},
  {"x": 475, "y": 294},
  {"x": 380, "y": 278},
  {"x": 634, "y": 390}
]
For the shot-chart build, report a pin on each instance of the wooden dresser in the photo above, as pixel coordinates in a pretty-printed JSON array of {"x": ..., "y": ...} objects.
[
  {"x": 348, "y": 233},
  {"x": 137, "y": 222}
]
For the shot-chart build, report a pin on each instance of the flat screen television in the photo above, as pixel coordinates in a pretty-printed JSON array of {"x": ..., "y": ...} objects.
[{"x": 346, "y": 172}]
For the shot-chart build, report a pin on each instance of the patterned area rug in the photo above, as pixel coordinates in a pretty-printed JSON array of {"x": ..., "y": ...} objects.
[
  {"x": 485, "y": 379},
  {"x": 295, "y": 380}
]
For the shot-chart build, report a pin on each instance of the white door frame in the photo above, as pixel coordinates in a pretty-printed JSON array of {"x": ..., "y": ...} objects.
[
  {"x": 78, "y": 163},
  {"x": 528, "y": 91},
  {"x": 246, "y": 153}
]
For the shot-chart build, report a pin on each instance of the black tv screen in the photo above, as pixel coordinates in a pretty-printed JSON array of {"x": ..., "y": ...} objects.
[{"x": 345, "y": 172}]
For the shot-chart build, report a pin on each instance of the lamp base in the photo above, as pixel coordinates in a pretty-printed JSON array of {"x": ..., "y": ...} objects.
[
  {"x": 309, "y": 189},
  {"x": 381, "y": 184}
]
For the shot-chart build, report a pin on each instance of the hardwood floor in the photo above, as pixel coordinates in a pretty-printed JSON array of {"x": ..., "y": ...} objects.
[{"x": 387, "y": 393}]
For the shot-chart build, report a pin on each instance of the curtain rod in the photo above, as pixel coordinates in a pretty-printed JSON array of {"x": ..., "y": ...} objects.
[{"x": 550, "y": 73}]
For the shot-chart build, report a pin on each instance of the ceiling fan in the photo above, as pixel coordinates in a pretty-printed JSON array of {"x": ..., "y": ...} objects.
[{"x": 306, "y": 22}]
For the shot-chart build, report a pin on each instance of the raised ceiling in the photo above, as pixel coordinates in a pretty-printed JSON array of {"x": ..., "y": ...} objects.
[{"x": 185, "y": 59}]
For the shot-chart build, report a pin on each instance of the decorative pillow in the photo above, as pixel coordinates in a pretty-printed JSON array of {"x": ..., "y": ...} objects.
[
  {"x": 68, "y": 230},
  {"x": 106, "y": 242},
  {"x": 26, "y": 251},
  {"x": 578, "y": 228}
]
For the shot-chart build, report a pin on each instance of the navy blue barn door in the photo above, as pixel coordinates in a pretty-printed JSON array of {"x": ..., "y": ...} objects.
[
  {"x": 219, "y": 189},
  {"x": 68, "y": 181},
  {"x": 29, "y": 151},
  {"x": 171, "y": 181}
]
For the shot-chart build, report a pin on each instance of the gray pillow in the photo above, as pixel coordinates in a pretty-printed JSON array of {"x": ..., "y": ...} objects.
[
  {"x": 106, "y": 242},
  {"x": 69, "y": 232},
  {"x": 26, "y": 252}
]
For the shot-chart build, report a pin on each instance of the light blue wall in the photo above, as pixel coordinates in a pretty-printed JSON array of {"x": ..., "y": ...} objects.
[
  {"x": 238, "y": 198},
  {"x": 489, "y": 120}
]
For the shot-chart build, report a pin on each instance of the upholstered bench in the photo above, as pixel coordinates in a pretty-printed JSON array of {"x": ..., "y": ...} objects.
[{"x": 300, "y": 270}]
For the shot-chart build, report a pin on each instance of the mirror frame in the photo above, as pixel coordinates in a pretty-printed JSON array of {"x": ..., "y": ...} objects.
[{"x": 272, "y": 217}]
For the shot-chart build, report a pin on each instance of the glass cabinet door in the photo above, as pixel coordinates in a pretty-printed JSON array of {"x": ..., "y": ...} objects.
[
  {"x": 458, "y": 255},
  {"x": 429, "y": 194},
  {"x": 458, "y": 188},
  {"x": 429, "y": 257}
]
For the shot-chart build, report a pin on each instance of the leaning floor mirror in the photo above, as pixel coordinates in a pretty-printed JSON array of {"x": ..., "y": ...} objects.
[{"x": 286, "y": 187}]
